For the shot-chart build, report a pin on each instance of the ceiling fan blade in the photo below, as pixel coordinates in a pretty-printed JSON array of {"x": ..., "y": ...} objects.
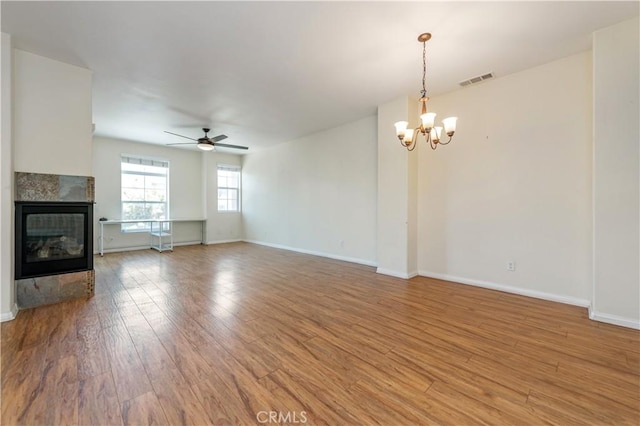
[
  {"x": 224, "y": 145},
  {"x": 182, "y": 143},
  {"x": 219, "y": 138},
  {"x": 186, "y": 137}
]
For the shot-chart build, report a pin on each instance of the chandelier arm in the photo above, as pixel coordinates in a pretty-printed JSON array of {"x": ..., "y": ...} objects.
[
  {"x": 427, "y": 137},
  {"x": 417, "y": 131},
  {"x": 447, "y": 142},
  {"x": 412, "y": 146},
  {"x": 431, "y": 143}
]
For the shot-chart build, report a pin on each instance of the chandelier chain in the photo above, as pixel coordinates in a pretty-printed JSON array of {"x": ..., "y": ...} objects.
[{"x": 424, "y": 68}]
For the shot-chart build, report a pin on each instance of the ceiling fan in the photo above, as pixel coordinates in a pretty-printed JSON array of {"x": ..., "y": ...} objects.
[{"x": 206, "y": 143}]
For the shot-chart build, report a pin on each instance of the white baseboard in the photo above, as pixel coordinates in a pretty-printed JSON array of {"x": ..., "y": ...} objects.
[
  {"x": 508, "y": 289},
  {"x": 121, "y": 249},
  {"x": 614, "y": 319},
  {"x": 224, "y": 241},
  {"x": 397, "y": 274},
  {"x": 188, "y": 243},
  {"x": 8, "y": 316},
  {"x": 314, "y": 253}
]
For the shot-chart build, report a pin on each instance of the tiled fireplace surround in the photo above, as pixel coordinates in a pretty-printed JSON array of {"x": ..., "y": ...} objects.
[{"x": 44, "y": 290}]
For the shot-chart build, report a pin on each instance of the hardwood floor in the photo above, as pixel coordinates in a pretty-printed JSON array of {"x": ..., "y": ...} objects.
[{"x": 240, "y": 333}]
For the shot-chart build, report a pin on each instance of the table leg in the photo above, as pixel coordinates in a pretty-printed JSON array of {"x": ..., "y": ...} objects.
[{"x": 101, "y": 239}]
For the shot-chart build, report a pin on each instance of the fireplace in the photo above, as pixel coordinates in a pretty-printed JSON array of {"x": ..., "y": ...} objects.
[{"x": 53, "y": 238}]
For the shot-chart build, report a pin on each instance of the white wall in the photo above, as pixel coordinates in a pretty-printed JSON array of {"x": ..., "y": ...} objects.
[
  {"x": 397, "y": 193},
  {"x": 316, "y": 194},
  {"x": 221, "y": 226},
  {"x": 8, "y": 308},
  {"x": 515, "y": 184},
  {"x": 616, "y": 188},
  {"x": 46, "y": 128},
  {"x": 52, "y": 116},
  {"x": 185, "y": 190}
]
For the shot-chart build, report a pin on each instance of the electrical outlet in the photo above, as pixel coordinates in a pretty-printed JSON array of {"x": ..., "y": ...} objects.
[{"x": 511, "y": 265}]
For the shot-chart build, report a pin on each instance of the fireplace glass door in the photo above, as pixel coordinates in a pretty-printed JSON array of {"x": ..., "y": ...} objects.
[{"x": 52, "y": 238}]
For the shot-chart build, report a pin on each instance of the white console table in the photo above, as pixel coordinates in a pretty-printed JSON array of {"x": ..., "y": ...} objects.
[{"x": 157, "y": 235}]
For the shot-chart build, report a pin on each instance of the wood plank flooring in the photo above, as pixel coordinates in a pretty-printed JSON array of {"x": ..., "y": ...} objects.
[{"x": 245, "y": 334}]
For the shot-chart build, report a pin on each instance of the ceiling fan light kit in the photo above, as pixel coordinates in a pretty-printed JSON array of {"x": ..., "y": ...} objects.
[
  {"x": 205, "y": 146},
  {"x": 206, "y": 143},
  {"x": 431, "y": 133}
]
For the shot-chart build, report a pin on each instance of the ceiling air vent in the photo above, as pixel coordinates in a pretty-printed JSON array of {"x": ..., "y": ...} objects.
[{"x": 477, "y": 79}]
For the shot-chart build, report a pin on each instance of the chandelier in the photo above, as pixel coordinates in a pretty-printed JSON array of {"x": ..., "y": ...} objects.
[{"x": 430, "y": 132}]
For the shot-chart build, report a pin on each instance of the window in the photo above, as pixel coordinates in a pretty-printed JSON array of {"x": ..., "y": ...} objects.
[
  {"x": 145, "y": 191},
  {"x": 228, "y": 188}
]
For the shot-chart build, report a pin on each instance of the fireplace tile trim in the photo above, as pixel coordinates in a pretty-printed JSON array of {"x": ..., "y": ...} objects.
[
  {"x": 39, "y": 291},
  {"x": 40, "y": 187}
]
